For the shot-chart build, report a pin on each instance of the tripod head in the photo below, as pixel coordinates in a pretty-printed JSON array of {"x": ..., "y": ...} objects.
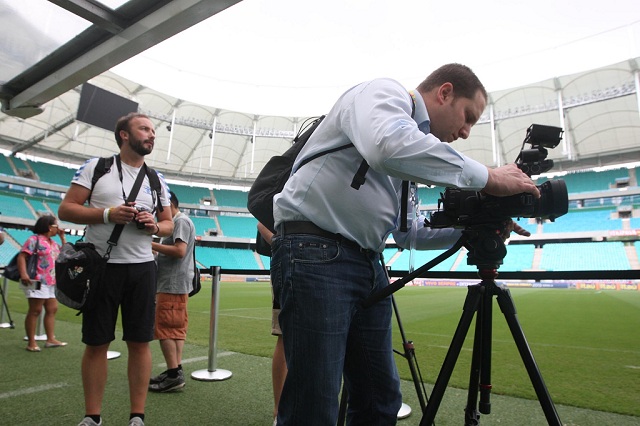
[
  {"x": 485, "y": 244},
  {"x": 486, "y": 250}
]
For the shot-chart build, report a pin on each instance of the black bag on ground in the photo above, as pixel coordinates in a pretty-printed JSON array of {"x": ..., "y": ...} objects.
[
  {"x": 11, "y": 270},
  {"x": 79, "y": 273},
  {"x": 195, "y": 284}
]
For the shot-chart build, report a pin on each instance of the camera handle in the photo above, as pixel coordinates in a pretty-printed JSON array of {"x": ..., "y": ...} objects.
[{"x": 398, "y": 284}]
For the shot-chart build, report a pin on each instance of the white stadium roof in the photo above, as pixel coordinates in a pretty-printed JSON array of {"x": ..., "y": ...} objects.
[{"x": 210, "y": 142}]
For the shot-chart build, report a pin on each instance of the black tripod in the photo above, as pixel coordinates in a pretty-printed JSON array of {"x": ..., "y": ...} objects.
[{"x": 486, "y": 250}]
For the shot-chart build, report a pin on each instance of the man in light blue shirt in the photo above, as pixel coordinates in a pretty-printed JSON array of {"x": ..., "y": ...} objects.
[{"x": 326, "y": 253}]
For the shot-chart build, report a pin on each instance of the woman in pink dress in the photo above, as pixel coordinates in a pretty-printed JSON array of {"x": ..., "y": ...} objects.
[{"x": 40, "y": 290}]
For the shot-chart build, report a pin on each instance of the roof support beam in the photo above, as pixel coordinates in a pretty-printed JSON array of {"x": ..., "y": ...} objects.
[
  {"x": 152, "y": 29},
  {"x": 94, "y": 12}
]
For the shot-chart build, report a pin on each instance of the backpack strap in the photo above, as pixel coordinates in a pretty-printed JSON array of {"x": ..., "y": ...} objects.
[
  {"x": 103, "y": 167},
  {"x": 156, "y": 187},
  {"x": 359, "y": 177}
]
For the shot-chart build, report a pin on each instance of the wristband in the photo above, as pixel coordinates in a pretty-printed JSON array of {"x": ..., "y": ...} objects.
[
  {"x": 105, "y": 216},
  {"x": 158, "y": 229}
]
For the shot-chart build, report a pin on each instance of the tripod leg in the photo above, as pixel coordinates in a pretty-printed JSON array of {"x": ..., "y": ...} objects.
[
  {"x": 470, "y": 307},
  {"x": 509, "y": 310},
  {"x": 410, "y": 355},
  {"x": 480, "y": 376},
  {"x": 342, "y": 412},
  {"x": 485, "y": 369}
]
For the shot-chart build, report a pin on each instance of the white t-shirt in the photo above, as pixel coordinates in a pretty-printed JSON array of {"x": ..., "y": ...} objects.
[{"x": 134, "y": 245}]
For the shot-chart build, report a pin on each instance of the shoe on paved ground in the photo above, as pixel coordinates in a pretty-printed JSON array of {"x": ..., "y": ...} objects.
[
  {"x": 136, "y": 421},
  {"x": 159, "y": 378},
  {"x": 88, "y": 421},
  {"x": 169, "y": 384}
]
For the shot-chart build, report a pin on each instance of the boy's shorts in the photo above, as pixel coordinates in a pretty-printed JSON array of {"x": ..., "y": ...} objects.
[{"x": 171, "y": 316}]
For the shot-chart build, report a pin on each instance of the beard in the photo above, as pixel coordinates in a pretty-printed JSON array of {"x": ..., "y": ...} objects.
[{"x": 138, "y": 147}]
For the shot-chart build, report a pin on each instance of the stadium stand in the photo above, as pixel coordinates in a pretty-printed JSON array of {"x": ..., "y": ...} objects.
[
  {"x": 5, "y": 167},
  {"x": 15, "y": 206},
  {"x": 39, "y": 207},
  {"x": 584, "y": 256},
  {"x": 593, "y": 181},
  {"x": 20, "y": 235},
  {"x": 238, "y": 226},
  {"x": 228, "y": 198},
  {"x": 7, "y": 251},
  {"x": 190, "y": 194},
  {"x": 51, "y": 173},
  {"x": 228, "y": 258},
  {"x": 588, "y": 220},
  {"x": 203, "y": 224}
]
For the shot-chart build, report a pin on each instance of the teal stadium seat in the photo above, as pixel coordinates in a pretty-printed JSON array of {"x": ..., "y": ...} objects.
[
  {"x": 592, "y": 181},
  {"x": 604, "y": 256},
  {"x": 7, "y": 251},
  {"x": 228, "y": 198},
  {"x": 226, "y": 258},
  {"x": 190, "y": 194},
  {"x": 14, "y": 206},
  {"x": 5, "y": 167},
  {"x": 51, "y": 173},
  {"x": 584, "y": 220},
  {"x": 238, "y": 226},
  {"x": 20, "y": 235},
  {"x": 39, "y": 207},
  {"x": 203, "y": 224}
]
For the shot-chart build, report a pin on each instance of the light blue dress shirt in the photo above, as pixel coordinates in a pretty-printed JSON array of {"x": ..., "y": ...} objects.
[{"x": 376, "y": 117}]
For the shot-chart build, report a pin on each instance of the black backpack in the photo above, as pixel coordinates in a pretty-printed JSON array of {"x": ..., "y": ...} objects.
[
  {"x": 277, "y": 171},
  {"x": 104, "y": 166}
]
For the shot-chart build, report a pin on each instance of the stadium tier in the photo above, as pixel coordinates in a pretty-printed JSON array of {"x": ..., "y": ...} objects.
[{"x": 226, "y": 220}]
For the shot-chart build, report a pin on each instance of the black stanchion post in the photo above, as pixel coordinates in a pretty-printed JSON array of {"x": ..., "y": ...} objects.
[
  {"x": 212, "y": 373},
  {"x": 5, "y": 308}
]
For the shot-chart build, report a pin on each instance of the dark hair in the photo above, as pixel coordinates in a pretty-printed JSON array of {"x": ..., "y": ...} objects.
[
  {"x": 43, "y": 223},
  {"x": 465, "y": 82},
  {"x": 174, "y": 199},
  {"x": 123, "y": 124}
]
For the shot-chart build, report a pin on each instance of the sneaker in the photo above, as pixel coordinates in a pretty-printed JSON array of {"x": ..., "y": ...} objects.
[
  {"x": 88, "y": 421},
  {"x": 159, "y": 378},
  {"x": 136, "y": 421},
  {"x": 169, "y": 384}
]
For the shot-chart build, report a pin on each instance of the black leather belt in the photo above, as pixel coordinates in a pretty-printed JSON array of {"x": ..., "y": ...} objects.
[{"x": 299, "y": 227}]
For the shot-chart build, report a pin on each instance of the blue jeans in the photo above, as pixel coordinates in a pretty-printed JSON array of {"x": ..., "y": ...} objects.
[{"x": 320, "y": 284}]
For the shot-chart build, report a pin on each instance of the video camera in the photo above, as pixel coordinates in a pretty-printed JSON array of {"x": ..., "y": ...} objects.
[{"x": 460, "y": 208}]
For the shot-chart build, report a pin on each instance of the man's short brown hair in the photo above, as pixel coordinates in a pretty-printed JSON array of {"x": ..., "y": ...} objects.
[
  {"x": 465, "y": 82},
  {"x": 123, "y": 124}
]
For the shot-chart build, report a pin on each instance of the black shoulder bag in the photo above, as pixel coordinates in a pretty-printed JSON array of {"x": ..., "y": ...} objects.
[{"x": 80, "y": 268}]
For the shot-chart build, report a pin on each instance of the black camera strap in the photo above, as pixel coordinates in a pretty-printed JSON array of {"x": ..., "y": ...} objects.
[{"x": 117, "y": 230}]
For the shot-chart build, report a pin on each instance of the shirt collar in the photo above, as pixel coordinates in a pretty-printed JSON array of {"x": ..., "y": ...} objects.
[{"x": 421, "y": 116}]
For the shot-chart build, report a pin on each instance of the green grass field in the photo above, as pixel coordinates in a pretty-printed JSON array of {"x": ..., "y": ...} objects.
[{"x": 586, "y": 344}]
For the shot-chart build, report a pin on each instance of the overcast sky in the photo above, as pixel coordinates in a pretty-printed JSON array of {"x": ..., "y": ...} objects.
[{"x": 295, "y": 57}]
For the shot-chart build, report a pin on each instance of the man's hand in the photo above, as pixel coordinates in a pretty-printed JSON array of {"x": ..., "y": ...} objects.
[
  {"x": 512, "y": 226},
  {"x": 509, "y": 180}
]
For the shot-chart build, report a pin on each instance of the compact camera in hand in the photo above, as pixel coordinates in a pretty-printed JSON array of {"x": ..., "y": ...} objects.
[{"x": 140, "y": 209}]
